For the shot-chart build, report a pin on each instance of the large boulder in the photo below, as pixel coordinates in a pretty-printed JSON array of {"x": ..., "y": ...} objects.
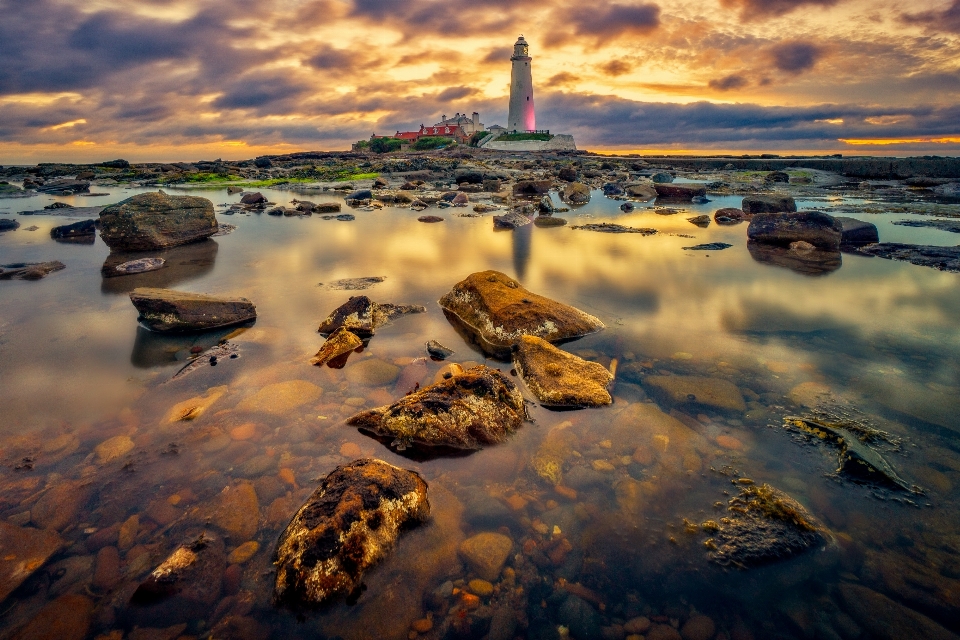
[
  {"x": 576, "y": 193},
  {"x": 685, "y": 192},
  {"x": 821, "y": 230},
  {"x": 768, "y": 204},
  {"x": 641, "y": 191},
  {"x": 468, "y": 410},
  {"x": 167, "y": 310},
  {"x": 559, "y": 378},
  {"x": 348, "y": 525},
  {"x": 857, "y": 233},
  {"x": 498, "y": 311},
  {"x": 150, "y": 221}
]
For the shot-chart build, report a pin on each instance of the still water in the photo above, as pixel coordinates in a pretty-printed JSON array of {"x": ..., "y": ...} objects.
[{"x": 89, "y": 448}]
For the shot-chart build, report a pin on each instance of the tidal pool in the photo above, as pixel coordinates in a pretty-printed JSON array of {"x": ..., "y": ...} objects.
[{"x": 606, "y": 542}]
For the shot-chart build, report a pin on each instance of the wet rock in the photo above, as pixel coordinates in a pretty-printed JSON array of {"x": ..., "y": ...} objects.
[
  {"x": 606, "y": 227},
  {"x": 29, "y": 270},
  {"x": 498, "y": 311},
  {"x": 184, "y": 586},
  {"x": 549, "y": 221},
  {"x": 715, "y": 393},
  {"x": 348, "y": 525},
  {"x": 141, "y": 265},
  {"x": 953, "y": 226},
  {"x": 780, "y": 229},
  {"x": 680, "y": 192},
  {"x": 532, "y": 187},
  {"x": 768, "y": 204},
  {"x": 233, "y": 189},
  {"x": 83, "y": 230},
  {"x": 114, "y": 448},
  {"x": 59, "y": 506},
  {"x": 25, "y": 550},
  {"x": 641, "y": 191},
  {"x": 777, "y": 176},
  {"x": 612, "y": 189},
  {"x": 728, "y": 216},
  {"x": 237, "y": 511},
  {"x": 169, "y": 310},
  {"x": 702, "y": 221},
  {"x": 328, "y": 207},
  {"x": 546, "y": 205},
  {"x": 940, "y": 258},
  {"x": 358, "y": 195},
  {"x": 67, "y": 618},
  {"x": 567, "y": 174},
  {"x": 430, "y": 219},
  {"x": 886, "y": 619},
  {"x": 698, "y": 627},
  {"x": 193, "y": 408},
  {"x": 157, "y": 221},
  {"x": 478, "y": 407},
  {"x": 373, "y": 372},
  {"x": 8, "y": 225},
  {"x": 627, "y": 207},
  {"x": 362, "y": 317},
  {"x": 106, "y": 573},
  {"x": 354, "y": 284},
  {"x": 281, "y": 397},
  {"x": 663, "y": 632},
  {"x": 61, "y": 186},
  {"x": 710, "y": 246},
  {"x": 253, "y": 198},
  {"x": 576, "y": 193},
  {"x": 857, "y": 232},
  {"x": 809, "y": 263},
  {"x": 763, "y": 525},
  {"x": 661, "y": 178},
  {"x": 511, "y": 220},
  {"x": 437, "y": 351},
  {"x": 460, "y": 200},
  {"x": 561, "y": 379},
  {"x": 486, "y": 554},
  {"x": 341, "y": 342},
  {"x": 580, "y": 617}
]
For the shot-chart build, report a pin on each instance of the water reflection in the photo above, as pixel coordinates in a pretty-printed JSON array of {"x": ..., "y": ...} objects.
[
  {"x": 522, "y": 242},
  {"x": 183, "y": 263},
  {"x": 151, "y": 349},
  {"x": 809, "y": 263}
]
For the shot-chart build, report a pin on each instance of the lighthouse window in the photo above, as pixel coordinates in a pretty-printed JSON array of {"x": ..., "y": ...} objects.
[{"x": 528, "y": 98}]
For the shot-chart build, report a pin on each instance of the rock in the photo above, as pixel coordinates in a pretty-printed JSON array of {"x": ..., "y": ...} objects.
[
  {"x": 680, "y": 192},
  {"x": 141, "y": 265},
  {"x": 183, "y": 587},
  {"x": 561, "y": 379},
  {"x": 281, "y": 397},
  {"x": 580, "y": 617},
  {"x": 710, "y": 246},
  {"x": 156, "y": 221},
  {"x": 952, "y": 226},
  {"x": 348, "y": 525},
  {"x": 768, "y": 204},
  {"x": 341, "y": 342},
  {"x": 430, "y": 219},
  {"x": 437, "y": 351},
  {"x": 478, "y": 407},
  {"x": 777, "y": 176},
  {"x": 327, "y": 207},
  {"x": 373, "y": 373},
  {"x": 114, "y": 448},
  {"x": 354, "y": 284},
  {"x": 498, "y": 311},
  {"x": 8, "y": 225},
  {"x": 69, "y": 617},
  {"x": 763, "y": 525},
  {"x": 606, "y": 227},
  {"x": 802, "y": 246},
  {"x": 195, "y": 407},
  {"x": 25, "y": 550},
  {"x": 115, "y": 164},
  {"x": 262, "y": 163},
  {"x": 886, "y": 619},
  {"x": 244, "y": 552},
  {"x": 532, "y": 187},
  {"x": 253, "y": 198},
  {"x": 511, "y": 220},
  {"x": 627, "y": 207},
  {"x": 59, "y": 205},
  {"x": 698, "y": 627},
  {"x": 237, "y": 511},
  {"x": 940, "y": 258},
  {"x": 819, "y": 229},
  {"x": 715, "y": 393},
  {"x": 661, "y": 178},
  {"x": 612, "y": 189},
  {"x": 360, "y": 194},
  {"x": 76, "y": 231},
  {"x": 549, "y": 221},
  {"x": 728, "y": 216},
  {"x": 276, "y": 211},
  {"x": 641, "y": 191},
  {"x": 567, "y": 174},
  {"x": 546, "y": 205},
  {"x": 486, "y": 553},
  {"x": 460, "y": 200},
  {"x": 60, "y": 186},
  {"x": 166, "y": 310},
  {"x": 492, "y": 185},
  {"x": 576, "y": 193},
  {"x": 808, "y": 263},
  {"x": 663, "y": 632},
  {"x": 29, "y": 270},
  {"x": 362, "y": 316},
  {"x": 106, "y": 573},
  {"x": 234, "y": 189},
  {"x": 637, "y": 625},
  {"x": 59, "y": 506}
]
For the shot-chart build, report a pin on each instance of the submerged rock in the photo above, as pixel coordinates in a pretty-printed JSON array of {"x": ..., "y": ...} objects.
[
  {"x": 710, "y": 246},
  {"x": 763, "y": 525},
  {"x": 348, "y": 525},
  {"x": 169, "y": 310},
  {"x": 559, "y": 378},
  {"x": 498, "y": 311},
  {"x": 886, "y": 619},
  {"x": 576, "y": 193},
  {"x": 69, "y": 617},
  {"x": 354, "y": 284},
  {"x": 607, "y": 227},
  {"x": 819, "y": 229},
  {"x": 157, "y": 221},
  {"x": 362, "y": 316},
  {"x": 716, "y": 393},
  {"x": 486, "y": 553},
  {"x": 940, "y": 258},
  {"x": 141, "y": 265},
  {"x": 808, "y": 263},
  {"x": 768, "y": 204},
  {"x": 437, "y": 351},
  {"x": 340, "y": 343},
  {"x": 29, "y": 270},
  {"x": 953, "y": 226},
  {"x": 702, "y": 221},
  {"x": 24, "y": 551},
  {"x": 478, "y": 407},
  {"x": 85, "y": 230},
  {"x": 680, "y": 192}
]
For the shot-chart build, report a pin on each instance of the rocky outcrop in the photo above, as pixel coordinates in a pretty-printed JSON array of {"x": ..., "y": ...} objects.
[
  {"x": 8, "y": 225},
  {"x": 469, "y": 410},
  {"x": 567, "y": 174},
  {"x": 24, "y": 551},
  {"x": 763, "y": 525},
  {"x": 348, "y": 525},
  {"x": 340, "y": 343},
  {"x": 85, "y": 230},
  {"x": 857, "y": 233},
  {"x": 940, "y": 258},
  {"x": 64, "y": 186},
  {"x": 768, "y": 204},
  {"x": 680, "y": 192},
  {"x": 819, "y": 229},
  {"x": 29, "y": 270},
  {"x": 168, "y": 310},
  {"x": 777, "y": 176},
  {"x": 576, "y": 193},
  {"x": 498, "y": 312},
  {"x": 157, "y": 221},
  {"x": 715, "y": 393},
  {"x": 559, "y": 378},
  {"x": 362, "y": 316},
  {"x": 253, "y": 198}
]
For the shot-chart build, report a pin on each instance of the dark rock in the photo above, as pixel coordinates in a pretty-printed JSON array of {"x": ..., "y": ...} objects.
[
  {"x": 702, "y": 221},
  {"x": 437, "y": 351},
  {"x": 561, "y": 379},
  {"x": 25, "y": 550},
  {"x": 29, "y": 270},
  {"x": 343, "y": 217},
  {"x": 469, "y": 410},
  {"x": 498, "y": 312},
  {"x": 253, "y": 198},
  {"x": 168, "y": 310},
  {"x": 819, "y": 229},
  {"x": 777, "y": 176},
  {"x": 925, "y": 182},
  {"x": 354, "y": 284},
  {"x": 684, "y": 192},
  {"x": 234, "y": 189},
  {"x": 340, "y": 343},
  {"x": 729, "y": 216},
  {"x": 408, "y": 186},
  {"x": 606, "y": 227},
  {"x": 532, "y": 187},
  {"x": 886, "y": 619},
  {"x": 511, "y": 220},
  {"x": 641, "y": 191},
  {"x": 362, "y": 316},
  {"x": 347, "y": 526},
  {"x": 568, "y": 174},
  {"x": 710, "y": 246},
  {"x": 59, "y": 186},
  {"x": 661, "y": 178},
  {"x": 460, "y": 200},
  {"x": 858, "y": 233},
  {"x": 764, "y": 525},
  {"x": 59, "y": 205},
  {"x": 276, "y": 211},
  {"x": 157, "y": 221},
  {"x": 953, "y": 226},
  {"x": 549, "y": 221},
  {"x": 82, "y": 229},
  {"x": 627, "y": 207},
  {"x": 8, "y": 225},
  {"x": 115, "y": 164},
  {"x": 69, "y": 617},
  {"x": 576, "y": 193},
  {"x": 581, "y": 618},
  {"x": 430, "y": 219},
  {"x": 262, "y": 163},
  {"x": 469, "y": 177},
  {"x": 808, "y": 263},
  {"x": 612, "y": 189},
  {"x": 546, "y": 205},
  {"x": 768, "y": 204},
  {"x": 360, "y": 194},
  {"x": 86, "y": 175},
  {"x": 491, "y": 185}
]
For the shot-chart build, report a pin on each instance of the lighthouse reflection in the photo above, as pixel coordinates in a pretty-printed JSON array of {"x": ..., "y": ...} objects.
[{"x": 522, "y": 241}]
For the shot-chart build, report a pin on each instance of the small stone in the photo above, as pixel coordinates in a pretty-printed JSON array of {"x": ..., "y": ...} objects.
[
  {"x": 480, "y": 588},
  {"x": 67, "y": 618},
  {"x": 698, "y": 628},
  {"x": 128, "y": 532},
  {"x": 281, "y": 397},
  {"x": 244, "y": 431},
  {"x": 114, "y": 448},
  {"x": 237, "y": 510},
  {"x": 602, "y": 465},
  {"x": 350, "y": 450},
  {"x": 373, "y": 372},
  {"x": 637, "y": 625},
  {"x": 107, "y": 570},
  {"x": 729, "y": 442},
  {"x": 422, "y": 625},
  {"x": 244, "y": 552},
  {"x": 486, "y": 553}
]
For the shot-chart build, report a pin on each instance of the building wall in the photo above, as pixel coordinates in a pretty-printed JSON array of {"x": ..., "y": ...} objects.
[{"x": 561, "y": 142}]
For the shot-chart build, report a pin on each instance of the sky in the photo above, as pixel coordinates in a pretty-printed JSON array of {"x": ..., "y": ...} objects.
[{"x": 166, "y": 80}]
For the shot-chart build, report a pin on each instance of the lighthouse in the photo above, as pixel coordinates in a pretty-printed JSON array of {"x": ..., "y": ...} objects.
[{"x": 522, "y": 116}]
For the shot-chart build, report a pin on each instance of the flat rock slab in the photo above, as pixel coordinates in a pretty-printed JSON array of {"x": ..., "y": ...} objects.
[
  {"x": 59, "y": 186},
  {"x": 857, "y": 232},
  {"x": 511, "y": 220},
  {"x": 77, "y": 230},
  {"x": 496, "y": 310},
  {"x": 549, "y": 221},
  {"x": 680, "y": 191},
  {"x": 8, "y": 225},
  {"x": 940, "y": 258},
  {"x": 363, "y": 316},
  {"x": 73, "y": 212},
  {"x": 156, "y": 221},
  {"x": 606, "y": 227},
  {"x": 559, "y": 378},
  {"x": 715, "y": 393},
  {"x": 953, "y": 226},
  {"x": 469, "y": 410},
  {"x": 29, "y": 270},
  {"x": 340, "y": 343},
  {"x": 710, "y": 246},
  {"x": 168, "y": 310},
  {"x": 819, "y": 229},
  {"x": 768, "y": 204},
  {"x": 348, "y": 525},
  {"x": 354, "y": 284},
  {"x": 24, "y": 551}
]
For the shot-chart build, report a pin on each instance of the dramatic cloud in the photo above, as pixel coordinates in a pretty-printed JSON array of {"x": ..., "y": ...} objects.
[
  {"x": 796, "y": 57},
  {"x": 947, "y": 20},
  {"x": 729, "y": 83},
  {"x": 756, "y": 9},
  {"x": 616, "y": 68},
  {"x": 612, "y": 20}
]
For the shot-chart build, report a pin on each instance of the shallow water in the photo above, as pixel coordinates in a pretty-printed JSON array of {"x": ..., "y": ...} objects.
[{"x": 880, "y": 336}]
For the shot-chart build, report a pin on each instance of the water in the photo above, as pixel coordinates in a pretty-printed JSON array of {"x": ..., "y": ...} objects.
[{"x": 880, "y": 336}]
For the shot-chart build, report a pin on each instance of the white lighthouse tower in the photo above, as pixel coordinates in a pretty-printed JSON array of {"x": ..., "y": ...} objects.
[{"x": 522, "y": 116}]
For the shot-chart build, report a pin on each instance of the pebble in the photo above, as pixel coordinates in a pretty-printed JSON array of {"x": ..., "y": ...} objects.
[
  {"x": 698, "y": 627},
  {"x": 422, "y": 625},
  {"x": 115, "y": 447},
  {"x": 637, "y": 625},
  {"x": 244, "y": 552},
  {"x": 373, "y": 372},
  {"x": 286, "y": 475},
  {"x": 351, "y": 450},
  {"x": 481, "y": 588},
  {"x": 729, "y": 442},
  {"x": 244, "y": 431},
  {"x": 663, "y": 632},
  {"x": 107, "y": 571},
  {"x": 602, "y": 465},
  {"x": 128, "y": 532},
  {"x": 486, "y": 553}
]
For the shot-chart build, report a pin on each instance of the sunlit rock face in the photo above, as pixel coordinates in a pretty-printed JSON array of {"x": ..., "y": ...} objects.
[
  {"x": 561, "y": 379},
  {"x": 157, "y": 221}
]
